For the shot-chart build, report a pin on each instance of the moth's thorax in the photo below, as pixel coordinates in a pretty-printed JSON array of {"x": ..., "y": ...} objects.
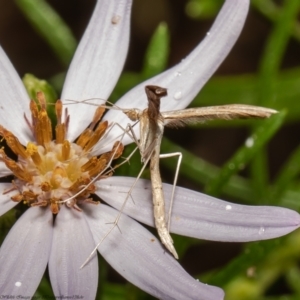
[
  {"x": 150, "y": 133},
  {"x": 133, "y": 114}
]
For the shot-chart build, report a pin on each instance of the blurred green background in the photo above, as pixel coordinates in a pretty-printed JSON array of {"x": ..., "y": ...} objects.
[{"x": 262, "y": 69}]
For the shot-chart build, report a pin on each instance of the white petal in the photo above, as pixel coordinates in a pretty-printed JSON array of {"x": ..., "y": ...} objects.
[
  {"x": 98, "y": 61},
  {"x": 198, "y": 215},
  {"x": 185, "y": 80},
  {"x": 4, "y": 171},
  {"x": 14, "y": 101},
  {"x": 139, "y": 257},
  {"x": 24, "y": 253},
  {"x": 5, "y": 202},
  {"x": 72, "y": 243}
]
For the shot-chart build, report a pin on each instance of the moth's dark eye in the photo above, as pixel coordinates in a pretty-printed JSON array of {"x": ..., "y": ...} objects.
[{"x": 161, "y": 92}]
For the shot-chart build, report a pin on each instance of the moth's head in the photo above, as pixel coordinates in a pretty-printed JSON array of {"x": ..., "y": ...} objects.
[{"x": 154, "y": 91}]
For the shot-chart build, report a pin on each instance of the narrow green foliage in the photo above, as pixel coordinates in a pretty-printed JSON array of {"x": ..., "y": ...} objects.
[
  {"x": 258, "y": 266},
  {"x": 288, "y": 173},
  {"x": 293, "y": 278},
  {"x": 255, "y": 142},
  {"x": 51, "y": 27},
  {"x": 269, "y": 69},
  {"x": 274, "y": 51},
  {"x": 34, "y": 85},
  {"x": 272, "y": 11},
  {"x": 157, "y": 54},
  {"x": 200, "y": 172},
  {"x": 203, "y": 9},
  {"x": 252, "y": 255},
  {"x": 260, "y": 178}
]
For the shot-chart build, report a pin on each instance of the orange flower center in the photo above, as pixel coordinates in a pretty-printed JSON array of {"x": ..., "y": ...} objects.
[{"x": 53, "y": 172}]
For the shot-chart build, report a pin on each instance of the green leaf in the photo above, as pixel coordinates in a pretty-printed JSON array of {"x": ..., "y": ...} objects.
[
  {"x": 284, "y": 297},
  {"x": 260, "y": 176},
  {"x": 203, "y": 9},
  {"x": 272, "y": 11},
  {"x": 293, "y": 278},
  {"x": 264, "y": 261},
  {"x": 34, "y": 85},
  {"x": 51, "y": 28},
  {"x": 252, "y": 255},
  {"x": 201, "y": 172},
  {"x": 287, "y": 174},
  {"x": 254, "y": 143},
  {"x": 158, "y": 52},
  {"x": 274, "y": 51},
  {"x": 268, "y": 72}
]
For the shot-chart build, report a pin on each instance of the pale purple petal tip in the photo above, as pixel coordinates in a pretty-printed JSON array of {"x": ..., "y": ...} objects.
[
  {"x": 72, "y": 244},
  {"x": 201, "y": 216},
  {"x": 139, "y": 257},
  {"x": 98, "y": 61},
  {"x": 186, "y": 79},
  {"x": 24, "y": 253},
  {"x": 14, "y": 100},
  {"x": 5, "y": 202}
]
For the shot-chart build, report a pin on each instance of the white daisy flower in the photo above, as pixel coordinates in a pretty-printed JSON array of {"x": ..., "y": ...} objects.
[{"x": 48, "y": 171}]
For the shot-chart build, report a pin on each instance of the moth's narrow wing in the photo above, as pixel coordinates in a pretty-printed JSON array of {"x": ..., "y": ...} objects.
[{"x": 178, "y": 118}]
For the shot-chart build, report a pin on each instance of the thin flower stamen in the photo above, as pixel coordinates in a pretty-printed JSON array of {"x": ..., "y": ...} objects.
[
  {"x": 96, "y": 136},
  {"x": 13, "y": 143},
  {"x": 43, "y": 129},
  {"x": 16, "y": 169},
  {"x": 60, "y": 128},
  {"x": 32, "y": 150},
  {"x": 89, "y": 137}
]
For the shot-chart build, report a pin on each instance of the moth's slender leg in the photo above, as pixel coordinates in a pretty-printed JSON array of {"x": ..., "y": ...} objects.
[{"x": 179, "y": 154}]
